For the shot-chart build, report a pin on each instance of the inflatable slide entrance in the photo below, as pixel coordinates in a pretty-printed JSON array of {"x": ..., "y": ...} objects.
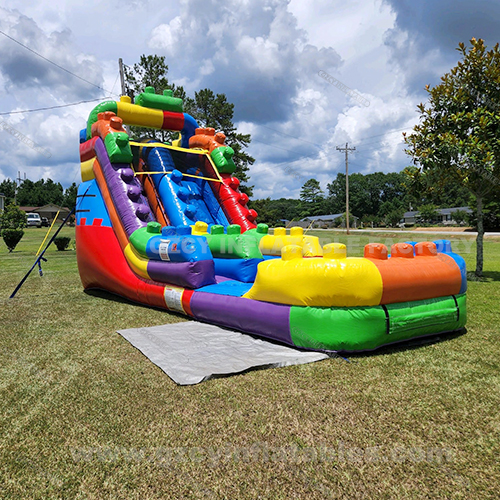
[{"x": 166, "y": 225}]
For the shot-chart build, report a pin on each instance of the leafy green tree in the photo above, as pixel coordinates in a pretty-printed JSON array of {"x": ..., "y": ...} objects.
[
  {"x": 40, "y": 193},
  {"x": 457, "y": 137},
  {"x": 268, "y": 214},
  {"x": 491, "y": 216},
  {"x": 150, "y": 71},
  {"x": 394, "y": 217},
  {"x": 8, "y": 189},
  {"x": 70, "y": 194},
  {"x": 12, "y": 221},
  {"x": 428, "y": 213},
  {"x": 459, "y": 216},
  {"x": 312, "y": 198},
  {"x": 289, "y": 209},
  {"x": 208, "y": 109}
]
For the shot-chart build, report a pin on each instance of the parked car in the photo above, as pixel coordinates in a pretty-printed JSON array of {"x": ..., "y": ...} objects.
[
  {"x": 45, "y": 222},
  {"x": 34, "y": 220}
]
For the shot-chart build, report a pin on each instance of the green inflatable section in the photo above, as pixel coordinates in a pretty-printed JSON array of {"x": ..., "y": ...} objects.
[
  {"x": 139, "y": 239},
  {"x": 223, "y": 159},
  {"x": 165, "y": 102},
  {"x": 100, "y": 108},
  {"x": 366, "y": 328},
  {"x": 233, "y": 244}
]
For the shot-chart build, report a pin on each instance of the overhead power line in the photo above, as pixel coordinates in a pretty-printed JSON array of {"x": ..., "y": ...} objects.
[
  {"x": 55, "y": 64},
  {"x": 51, "y": 107}
]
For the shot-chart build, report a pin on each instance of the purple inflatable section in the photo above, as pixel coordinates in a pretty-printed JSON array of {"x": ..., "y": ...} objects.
[
  {"x": 250, "y": 316},
  {"x": 126, "y": 191},
  {"x": 185, "y": 274}
]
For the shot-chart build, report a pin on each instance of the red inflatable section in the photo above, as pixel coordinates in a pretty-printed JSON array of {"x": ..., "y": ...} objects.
[
  {"x": 87, "y": 151},
  {"x": 102, "y": 265},
  {"x": 234, "y": 203},
  {"x": 232, "y": 200}
]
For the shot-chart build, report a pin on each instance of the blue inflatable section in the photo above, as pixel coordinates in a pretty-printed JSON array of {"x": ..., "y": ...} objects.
[
  {"x": 178, "y": 245},
  {"x": 89, "y": 201},
  {"x": 190, "y": 125},
  {"x": 243, "y": 270},
  {"x": 444, "y": 246},
  {"x": 185, "y": 199},
  {"x": 232, "y": 288}
]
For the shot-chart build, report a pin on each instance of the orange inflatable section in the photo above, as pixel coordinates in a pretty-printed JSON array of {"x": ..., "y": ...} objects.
[
  {"x": 107, "y": 122},
  {"x": 113, "y": 215},
  {"x": 206, "y": 138},
  {"x": 407, "y": 276}
]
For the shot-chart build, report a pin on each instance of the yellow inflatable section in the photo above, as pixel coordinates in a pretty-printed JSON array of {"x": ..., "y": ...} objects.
[
  {"x": 331, "y": 281},
  {"x": 272, "y": 244}
]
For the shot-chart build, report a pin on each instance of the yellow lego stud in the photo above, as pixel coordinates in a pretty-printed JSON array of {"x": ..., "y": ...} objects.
[
  {"x": 125, "y": 98},
  {"x": 296, "y": 231},
  {"x": 334, "y": 251},
  {"x": 279, "y": 231},
  {"x": 200, "y": 228},
  {"x": 290, "y": 252}
]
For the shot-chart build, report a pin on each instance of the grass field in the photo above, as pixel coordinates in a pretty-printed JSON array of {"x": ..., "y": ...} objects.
[{"x": 84, "y": 415}]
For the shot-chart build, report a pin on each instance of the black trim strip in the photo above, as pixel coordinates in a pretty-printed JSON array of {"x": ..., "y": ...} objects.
[
  {"x": 387, "y": 320},
  {"x": 82, "y": 211},
  {"x": 458, "y": 308},
  {"x": 86, "y": 195}
]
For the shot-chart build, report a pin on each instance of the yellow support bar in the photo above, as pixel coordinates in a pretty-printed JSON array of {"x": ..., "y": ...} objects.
[
  {"x": 168, "y": 146},
  {"x": 187, "y": 175},
  {"x": 48, "y": 232}
]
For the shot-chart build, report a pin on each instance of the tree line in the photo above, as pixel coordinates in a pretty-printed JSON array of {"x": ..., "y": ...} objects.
[
  {"x": 378, "y": 198},
  {"x": 38, "y": 193}
]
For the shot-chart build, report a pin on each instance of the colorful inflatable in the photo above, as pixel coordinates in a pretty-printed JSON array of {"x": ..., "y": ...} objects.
[{"x": 165, "y": 225}]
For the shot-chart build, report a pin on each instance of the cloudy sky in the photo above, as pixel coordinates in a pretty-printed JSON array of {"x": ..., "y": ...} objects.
[{"x": 267, "y": 56}]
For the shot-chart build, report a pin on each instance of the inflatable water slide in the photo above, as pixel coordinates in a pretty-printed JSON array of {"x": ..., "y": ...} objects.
[{"x": 166, "y": 225}]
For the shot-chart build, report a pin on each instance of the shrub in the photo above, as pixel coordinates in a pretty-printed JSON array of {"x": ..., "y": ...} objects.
[
  {"x": 12, "y": 237},
  {"x": 62, "y": 242},
  {"x": 13, "y": 217}
]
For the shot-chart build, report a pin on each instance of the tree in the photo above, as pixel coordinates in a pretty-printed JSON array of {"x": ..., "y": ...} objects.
[
  {"x": 459, "y": 216},
  {"x": 428, "y": 213},
  {"x": 215, "y": 111},
  {"x": 268, "y": 214},
  {"x": 150, "y": 71},
  {"x": 208, "y": 109},
  {"x": 457, "y": 137},
  {"x": 40, "y": 193},
  {"x": 12, "y": 222},
  {"x": 70, "y": 194},
  {"x": 311, "y": 198},
  {"x": 8, "y": 189},
  {"x": 491, "y": 216},
  {"x": 394, "y": 217}
]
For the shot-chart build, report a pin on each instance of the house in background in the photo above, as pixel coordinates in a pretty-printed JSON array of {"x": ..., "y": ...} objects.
[
  {"x": 49, "y": 211},
  {"x": 443, "y": 217}
]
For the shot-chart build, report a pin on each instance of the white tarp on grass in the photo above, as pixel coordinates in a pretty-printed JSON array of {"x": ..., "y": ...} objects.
[{"x": 190, "y": 352}]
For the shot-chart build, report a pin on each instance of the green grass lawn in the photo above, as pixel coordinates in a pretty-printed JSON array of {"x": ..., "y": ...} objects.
[{"x": 85, "y": 415}]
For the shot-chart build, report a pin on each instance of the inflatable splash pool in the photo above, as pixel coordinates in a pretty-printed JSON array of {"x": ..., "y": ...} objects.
[{"x": 165, "y": 225}]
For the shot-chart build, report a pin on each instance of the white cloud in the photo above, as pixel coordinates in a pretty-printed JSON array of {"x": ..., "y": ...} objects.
[{"x": 263, "y": 54}]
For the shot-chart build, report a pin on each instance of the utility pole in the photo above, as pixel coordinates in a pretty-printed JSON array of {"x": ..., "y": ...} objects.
[
  {"x": 346, "y": 149},
  {"x": 122, "y": 81},
  {"x": 18, "y": 180},
  {"x": 122, "y": 76}
]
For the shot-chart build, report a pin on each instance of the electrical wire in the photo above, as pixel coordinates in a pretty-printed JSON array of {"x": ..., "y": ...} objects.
[
  {"x": 55, "y": 64},
  {"x": 52, "y": 107}
]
